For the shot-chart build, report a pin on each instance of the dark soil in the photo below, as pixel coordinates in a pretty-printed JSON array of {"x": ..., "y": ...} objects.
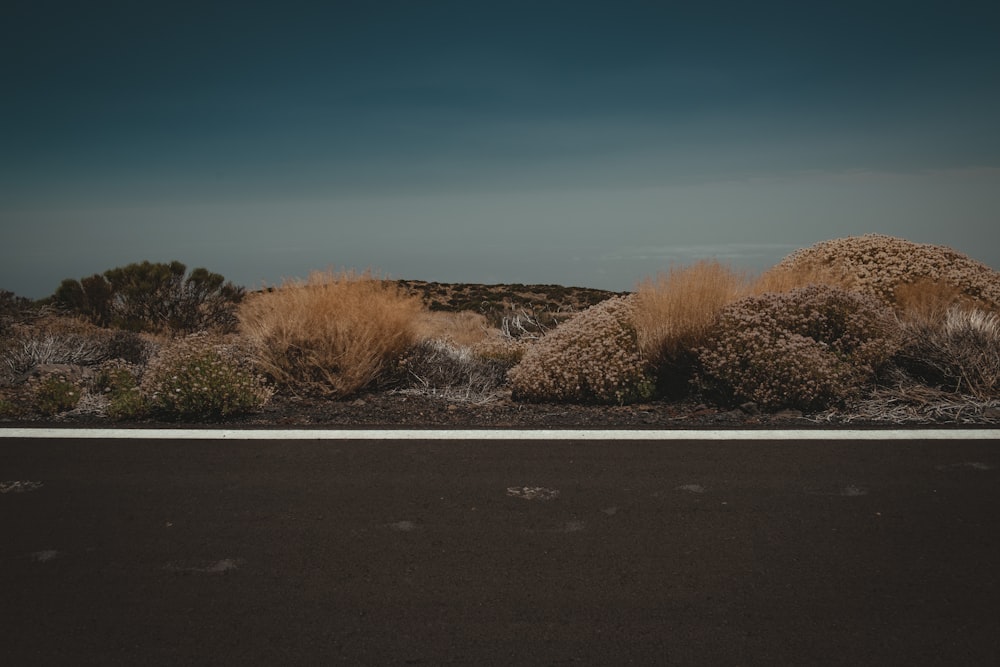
[{"x": 421, "y": 411}]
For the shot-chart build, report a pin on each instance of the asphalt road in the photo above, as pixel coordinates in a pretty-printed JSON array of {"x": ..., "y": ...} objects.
[{"x": 499, "y": 553}]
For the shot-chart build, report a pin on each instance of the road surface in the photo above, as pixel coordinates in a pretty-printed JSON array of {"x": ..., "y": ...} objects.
[{"x": 271, "y": 552}]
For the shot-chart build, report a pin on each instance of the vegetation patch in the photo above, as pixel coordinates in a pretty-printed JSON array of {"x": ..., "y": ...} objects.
[
  {"x": 592, "y": 358},
  {"x": 331, "y": 335},
  {"x": 808, "y": 348}
]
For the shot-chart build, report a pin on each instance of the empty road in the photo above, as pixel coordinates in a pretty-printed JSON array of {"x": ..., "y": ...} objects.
[{"x": 299, "y": 552}]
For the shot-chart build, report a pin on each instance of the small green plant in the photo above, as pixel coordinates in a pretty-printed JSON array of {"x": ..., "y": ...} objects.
[
  {"x": 55, "y": 394},
  {"x": 198, "y": 378},
  {"x": 118, "y": 381},
  {"x": 592, "y": 358}
]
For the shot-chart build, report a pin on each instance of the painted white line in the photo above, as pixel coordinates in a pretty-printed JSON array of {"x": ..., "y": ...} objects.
[{"x": 498, "y": 434}]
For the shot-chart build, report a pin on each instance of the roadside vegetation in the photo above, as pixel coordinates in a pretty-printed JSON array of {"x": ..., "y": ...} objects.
[{"x": 871, "y": 326}]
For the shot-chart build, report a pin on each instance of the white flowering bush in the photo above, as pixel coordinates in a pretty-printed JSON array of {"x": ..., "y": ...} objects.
[
  {"x": 808, "y": 348},
  {"x": 878, "y": 264},
  {"x": 203, "y": 378},
  {"x": 591, "y": 358}
]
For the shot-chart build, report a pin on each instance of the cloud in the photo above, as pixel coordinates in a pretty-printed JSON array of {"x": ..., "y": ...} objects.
[{"x": 741, "y": 252}]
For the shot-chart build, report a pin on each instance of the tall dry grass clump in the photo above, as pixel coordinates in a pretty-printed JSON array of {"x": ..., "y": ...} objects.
[
  {"x": 676, "y": 310},
  {"x": 332, "y": 334}
]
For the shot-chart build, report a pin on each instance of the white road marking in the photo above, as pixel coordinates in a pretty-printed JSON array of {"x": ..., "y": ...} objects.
[{"x": 497, "y": 434}]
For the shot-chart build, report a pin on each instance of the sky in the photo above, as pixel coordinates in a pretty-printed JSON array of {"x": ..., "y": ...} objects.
[{"x": 579, "y": 143}]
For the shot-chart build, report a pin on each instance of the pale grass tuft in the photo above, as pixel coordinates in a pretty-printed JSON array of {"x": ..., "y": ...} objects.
[
  {"x": 332, "y": 334},
  {"x": 959, "y": 352},
  {"x": 463, "y": 328},
  {"x": 787, "y": 277},
  {"x": 674, "y": 311}
]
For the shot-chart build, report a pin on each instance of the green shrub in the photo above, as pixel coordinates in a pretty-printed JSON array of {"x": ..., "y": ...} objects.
[
  {"x": 591, "y": 358},
  {"x": 808, "y": 348},
  {"x": 202, "y": 378},
  {"x": 55, "y": 394},
  {"x": 153, "y": 297},
  {"x": 118, "y": 380}
]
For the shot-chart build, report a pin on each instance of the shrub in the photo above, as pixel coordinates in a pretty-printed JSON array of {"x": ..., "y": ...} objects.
[
  {"x": 959, "y": 351},
  {"x": 808, "y": 348},
  {"x": 674, "y": 313},
  {"x": 440, "y": 367},
  {"x": 331, "y": 335},
  {"x": 119, "y": 382},
  {"x": 201, "y": 377},
  {"x": 52, "y": 340},
  {"x": 879, "y": 264},
  {"x": 592, "y": 358},
  {"x": 55, "y": 394},
  {"x": 153, "y": 297},
  {"x": 14, "y": 309}
]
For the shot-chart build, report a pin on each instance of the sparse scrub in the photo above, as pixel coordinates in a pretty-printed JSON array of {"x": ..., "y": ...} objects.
[
  {"x": 202, "y": 378},
  {"x": 441, "y": 368},
  {"x": 55, "y": 394},
  {"x": 331, "y": 335},
  {"x": 52, "y": 340},
  {"x": 808, "y": 348},
  {"x": 959, "y": 352},
  {"x": 119, "y": 382},
  {"x": 592, "y": 358},
  {"x": 462, "y": 328},
  {"x": 674, "y": 313}
]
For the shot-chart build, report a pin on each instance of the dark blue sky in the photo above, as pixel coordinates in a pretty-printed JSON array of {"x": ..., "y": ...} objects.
[{"x": 588, "y": 143}]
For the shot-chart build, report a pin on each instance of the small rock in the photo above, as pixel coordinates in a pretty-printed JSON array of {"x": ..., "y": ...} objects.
[
  {"x": 360, "y": 403},
  {"x": 788, "y": 414},
  {"x": 452, "y": 408},
  {"x": 750, "y": 408}
]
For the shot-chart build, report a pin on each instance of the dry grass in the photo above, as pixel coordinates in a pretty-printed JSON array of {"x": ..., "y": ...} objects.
[
  {"x": 674, "y": 311},
  {"x": 785, "y": 278},
  {"x": 959, "y": 352},
  {"x": 464, "y": 328},
  {"x": 332, "y": 334},
  {"x": 928, "y": 301}
]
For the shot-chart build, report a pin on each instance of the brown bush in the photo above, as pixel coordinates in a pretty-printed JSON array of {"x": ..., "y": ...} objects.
[
  {"x": 879, "y": 265},
  {"x": 592, "y": 358},
  {"x": 808, "y": 348},
  {"x": 332, "y": 334}
]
